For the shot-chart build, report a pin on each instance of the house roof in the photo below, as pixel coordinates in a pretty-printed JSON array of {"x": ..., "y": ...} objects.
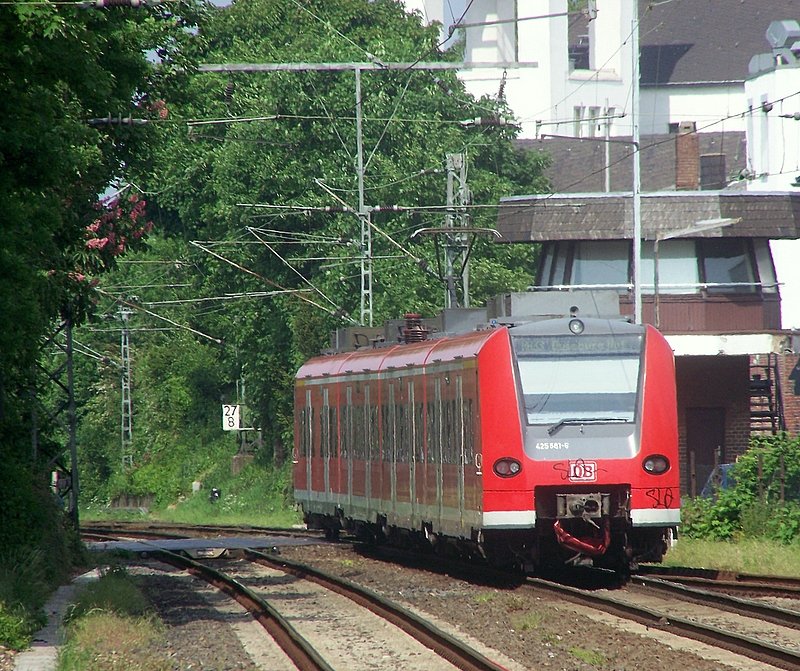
[
  {"x": 578, "y": 166},
  {"x": 694, "y": 41},
  {"x": 609, "y": 216}
]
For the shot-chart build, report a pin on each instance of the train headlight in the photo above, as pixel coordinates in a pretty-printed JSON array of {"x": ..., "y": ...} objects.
[
  {"x": 507, "y": 467},
  {"x": 656, "y": 464},
  {"x": 576, "y": 326}
]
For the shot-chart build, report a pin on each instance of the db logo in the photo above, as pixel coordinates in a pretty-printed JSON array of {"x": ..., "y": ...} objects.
[{"x": 582, "y": 471}]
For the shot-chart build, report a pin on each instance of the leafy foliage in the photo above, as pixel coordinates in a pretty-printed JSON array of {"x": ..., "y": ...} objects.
[
  {"x": 60, "y": 66},
  {"x": 753, "y": 506},
  {"x": 288, "y": 139}
]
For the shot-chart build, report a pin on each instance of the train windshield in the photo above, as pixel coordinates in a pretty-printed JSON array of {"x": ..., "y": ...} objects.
[{"x": 572, "y": 378}]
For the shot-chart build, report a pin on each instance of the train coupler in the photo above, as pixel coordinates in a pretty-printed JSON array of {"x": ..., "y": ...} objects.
[{"x": 590, "y": 545}]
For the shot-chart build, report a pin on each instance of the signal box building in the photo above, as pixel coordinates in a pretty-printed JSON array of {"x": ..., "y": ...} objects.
[
  {"x": 720, "y": 223},
  {"x": 708, "y": 282}
]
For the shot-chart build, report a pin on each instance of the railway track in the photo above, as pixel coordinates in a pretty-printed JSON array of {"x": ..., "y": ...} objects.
[
  {"x": 176, "y": 530},
  {"x": 728, "y": 582},
  {"x": 286, "y": 599},
  {"x": 764, "y": 633},
  {"x": 746, "y": 627}
]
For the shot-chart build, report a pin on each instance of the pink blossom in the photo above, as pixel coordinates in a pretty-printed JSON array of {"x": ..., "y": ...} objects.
[{"x": 97, "y": 243}]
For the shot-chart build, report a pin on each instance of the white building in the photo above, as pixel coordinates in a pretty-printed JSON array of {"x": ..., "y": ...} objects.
[
  {"x": 708, "y": 63},
  {"x": 694, "y": 56}
]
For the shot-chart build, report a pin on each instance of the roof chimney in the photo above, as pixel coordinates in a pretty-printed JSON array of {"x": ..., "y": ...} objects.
[{"x": 687, "y": 157}]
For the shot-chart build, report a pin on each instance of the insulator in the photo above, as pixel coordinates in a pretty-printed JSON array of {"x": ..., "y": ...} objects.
[
  {"x": 230, "y": 87},
  {"x": 413, "y": 331}
]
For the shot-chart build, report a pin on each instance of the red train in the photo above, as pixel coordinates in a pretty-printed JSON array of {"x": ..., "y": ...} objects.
[{"x": 539, "y": 444}]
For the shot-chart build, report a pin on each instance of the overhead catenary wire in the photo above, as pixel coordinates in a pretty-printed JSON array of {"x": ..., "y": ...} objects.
[
  {"x": 318, "y": 291},
  {"x": 339, "y": 313},
  {"x": 567, "y": 188},
  {"x": 137, "y": 306}
]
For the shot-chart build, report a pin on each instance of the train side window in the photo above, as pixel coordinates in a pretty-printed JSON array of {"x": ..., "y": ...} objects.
[
  {"x": 469, "y": 431},
  {"x": 300, "y": 429},
  {"x": 372, "y": 427},
  {"x": 402, "y": 434},
  {"x": 369, "y": 424},
  {"x": 359, "y": 426},
  {"x": 333, "y": 422},
  {"x": 347, "y": 424},
  {"x": 309, "y": 429},
  {"x": 432, "y": 432},
  {"x": 384, "y": 447},
  {"x": 448, "y": 433}
]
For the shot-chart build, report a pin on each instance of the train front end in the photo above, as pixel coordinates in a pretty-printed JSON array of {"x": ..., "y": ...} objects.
[{"x": 600, "y": 439}]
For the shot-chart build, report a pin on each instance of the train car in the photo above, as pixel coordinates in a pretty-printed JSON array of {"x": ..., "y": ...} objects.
[{"x": 549, "y": 442}]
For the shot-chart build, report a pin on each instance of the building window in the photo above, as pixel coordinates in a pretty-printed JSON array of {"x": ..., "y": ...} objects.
[
  {"x": 677, "y": 267},
  {"x": 594, "y": 123},
  {"x": 727, "y": 265},
  {"x": 685, "y": 266},
  {"x": 602, "y": 263},
  {"x": 577, "y": 121}
]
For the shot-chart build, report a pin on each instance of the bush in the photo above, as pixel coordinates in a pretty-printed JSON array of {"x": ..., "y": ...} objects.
[{"x": 752, "y": 508}]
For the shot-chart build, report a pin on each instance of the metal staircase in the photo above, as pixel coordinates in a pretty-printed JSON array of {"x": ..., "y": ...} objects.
[{"x": 766, "y": 405}]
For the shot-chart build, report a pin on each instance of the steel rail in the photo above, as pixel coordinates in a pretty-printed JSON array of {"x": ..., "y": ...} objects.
[
  {"x": 186, "y": 530},
  {"x": 300, "y": 651},
  {"x": 746, "y": 646},
  {"x": 763, "y": 611},
  {"x": 449, "y": 648},
  {"x": 686, "y": 574}
]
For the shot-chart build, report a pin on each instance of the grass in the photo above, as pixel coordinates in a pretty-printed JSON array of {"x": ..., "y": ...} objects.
[
  {"x": 24, "y": 588},
  {"x": 257, "y": 497},
  {"x": 110, "y": 628},
  {"x": 744, "y": 556},
  {"x": 591, "y": 657},
  {"x": 112, "y": 642}
]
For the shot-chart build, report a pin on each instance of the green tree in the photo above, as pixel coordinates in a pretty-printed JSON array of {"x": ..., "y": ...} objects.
[
  {"x": 60, "y": 67},
  {"x": 289, "y": 139}
]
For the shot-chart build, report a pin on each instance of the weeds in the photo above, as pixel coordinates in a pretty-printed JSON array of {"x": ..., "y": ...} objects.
[
  {"x": 589, "y": 656},
  {"x": 110, "y": 628}
]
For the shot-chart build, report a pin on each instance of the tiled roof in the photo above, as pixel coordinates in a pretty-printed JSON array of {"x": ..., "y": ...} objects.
[
  {"x": 609, "y": 216},
  {"x": 578, "y": 165},
  {"x": 689, "y": 41}
]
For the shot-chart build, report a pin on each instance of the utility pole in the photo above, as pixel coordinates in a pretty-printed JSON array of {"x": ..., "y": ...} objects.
[
  {"x": 363, "y": 215},
  {"x": 126, "y": 421},
  {"x": 60, "y": 414},
  {"x": 637, "y": 186},
  {"x": 455, "y": 242}
]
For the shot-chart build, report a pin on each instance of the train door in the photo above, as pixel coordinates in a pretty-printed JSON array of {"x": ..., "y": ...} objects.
[
  {"x": 348, "y": 451},
  {"x": 473, "y": 494},
  {"x": 438, "y": 454},
  {"x": 308, "y": 439},
  {"x": 391, "y": 447},
  {"x": 461, "y": 458},
  {"x": 420, "y": 453},
  {"x": 412, "y": 454},
  {"x": 705, "y": 444},
  {"x": 326, "y": 444},
  {"x": 369, "y": 428}
]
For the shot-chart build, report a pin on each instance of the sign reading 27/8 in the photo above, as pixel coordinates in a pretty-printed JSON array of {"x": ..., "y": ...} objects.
[{"x": 230, "y": 418}]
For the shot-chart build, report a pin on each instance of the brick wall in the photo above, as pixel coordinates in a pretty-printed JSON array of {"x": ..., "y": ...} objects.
[
  {"x": 687, "y": 157},
  {"x": 789, "y": 372},
  {"x": 714, "y": 382}
]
